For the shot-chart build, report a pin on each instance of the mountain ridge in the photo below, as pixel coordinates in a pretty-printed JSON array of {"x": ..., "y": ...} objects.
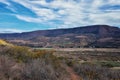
[{"x": 88, "y": 35}]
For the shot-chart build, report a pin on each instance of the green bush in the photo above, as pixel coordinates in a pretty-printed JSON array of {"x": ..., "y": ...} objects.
[{"x": 110, "y": 64}]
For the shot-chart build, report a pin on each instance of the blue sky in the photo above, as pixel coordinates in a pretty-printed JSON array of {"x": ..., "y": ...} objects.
[{"x": 29, "y": 15}]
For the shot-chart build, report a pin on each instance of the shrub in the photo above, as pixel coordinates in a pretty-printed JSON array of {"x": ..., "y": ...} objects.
[
  {"x": 94, "y": 72},
  {"x": 35, "y": 65},
  {"x": 8, "y": 69},
  {"x": 38, "y": 69},
  {"x": 110, "y": 64}
]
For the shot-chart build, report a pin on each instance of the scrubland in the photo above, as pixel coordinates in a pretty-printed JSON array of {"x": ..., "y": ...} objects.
[{"x": 24, "y": 63}]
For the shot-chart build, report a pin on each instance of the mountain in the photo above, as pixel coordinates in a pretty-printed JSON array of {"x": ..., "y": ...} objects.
[{"x": 87, "y": 36}]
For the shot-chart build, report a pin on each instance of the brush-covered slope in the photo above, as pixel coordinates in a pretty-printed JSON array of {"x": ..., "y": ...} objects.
[
  {"x": 87, "y": 36},
  {"x": 2, "y": 42}
]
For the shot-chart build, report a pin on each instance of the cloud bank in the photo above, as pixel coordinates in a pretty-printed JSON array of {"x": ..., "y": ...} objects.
[{"x": 66, "y": 13}]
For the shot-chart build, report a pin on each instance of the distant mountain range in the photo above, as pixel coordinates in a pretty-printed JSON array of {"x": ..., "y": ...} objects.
[{"x": 88, "y": 36}]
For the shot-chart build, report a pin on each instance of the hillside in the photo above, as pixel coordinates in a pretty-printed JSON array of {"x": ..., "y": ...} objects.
[
  {"x": 2, "y": 42},
  {"x": 87, "y": 36}
]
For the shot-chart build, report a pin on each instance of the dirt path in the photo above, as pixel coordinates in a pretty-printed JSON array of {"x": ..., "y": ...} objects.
[{"x": 73, "y": 75}]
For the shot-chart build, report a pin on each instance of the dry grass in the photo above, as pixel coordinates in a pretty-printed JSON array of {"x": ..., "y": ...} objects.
[{"x": 89, "y": 49}]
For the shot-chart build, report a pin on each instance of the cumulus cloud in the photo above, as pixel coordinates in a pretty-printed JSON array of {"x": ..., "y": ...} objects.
[{"x": 71, "y": 13}]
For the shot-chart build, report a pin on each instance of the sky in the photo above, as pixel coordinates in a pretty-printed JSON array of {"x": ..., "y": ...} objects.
[{"x": 30, "y": 15}]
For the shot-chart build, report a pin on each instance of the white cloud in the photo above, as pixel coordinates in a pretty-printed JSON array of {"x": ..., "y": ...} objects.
[
  {"x": 114, "y": 2},
  {"x": 28, "y": 19},
  {"x": 5, "y": 2},
  {"x": 10, "y": 31},
  {"x": 71, "y": 13}
]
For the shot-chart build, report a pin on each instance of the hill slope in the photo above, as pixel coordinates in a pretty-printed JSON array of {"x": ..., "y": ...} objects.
[
  {"x": 88, "y": 36},
  {"x": 2, "y": 42}
]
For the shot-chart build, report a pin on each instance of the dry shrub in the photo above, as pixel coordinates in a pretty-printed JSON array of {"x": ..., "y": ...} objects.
[
  {"x": 94, "y": 72},
  {"x": 9, "y": 69},
  {"x": 40, "y": 70},
  {"x": 21, "y": 63}
]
